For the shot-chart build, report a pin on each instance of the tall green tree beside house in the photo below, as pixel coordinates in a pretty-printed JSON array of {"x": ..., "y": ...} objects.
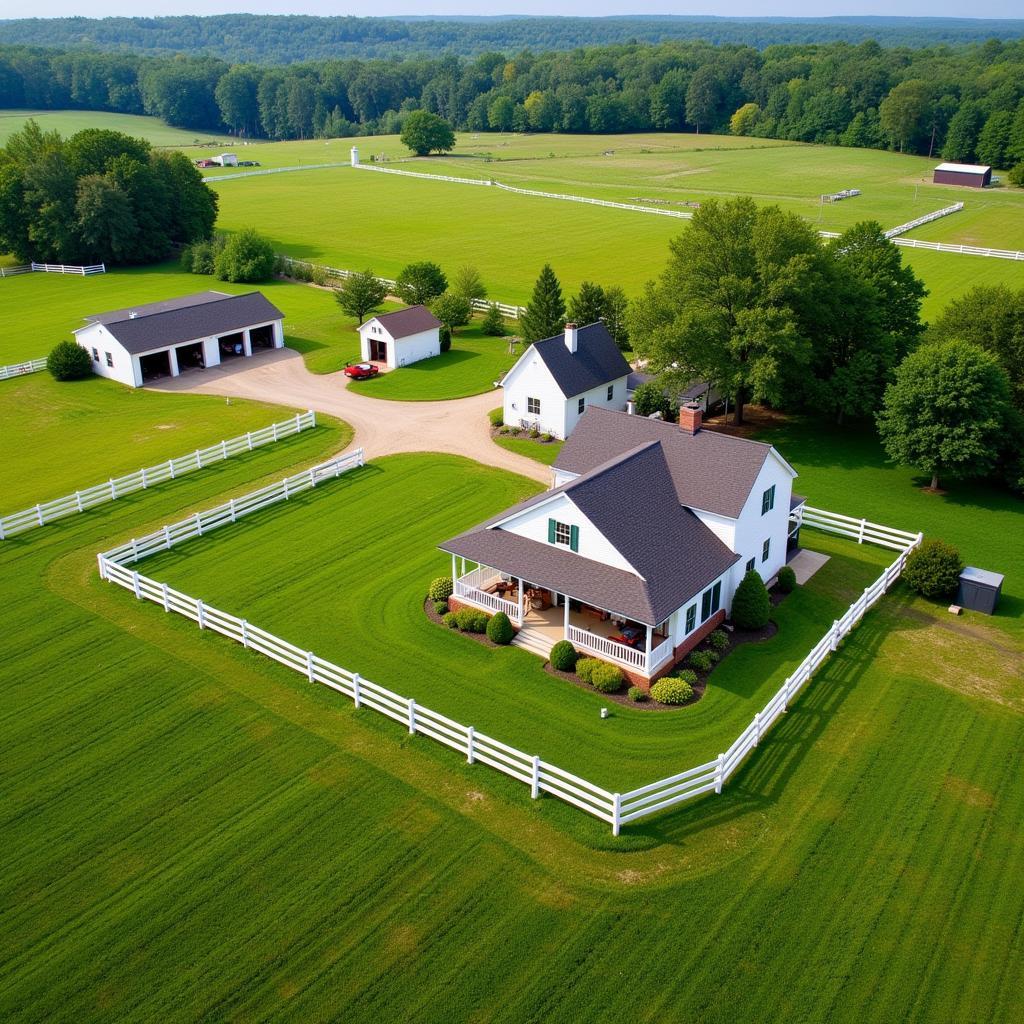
[
  {"x": 544, "y": 315},
  {"x": 361, "y": 294},
  {"x": 420, "y": 283},
  {"x": 587, "y": 305}
]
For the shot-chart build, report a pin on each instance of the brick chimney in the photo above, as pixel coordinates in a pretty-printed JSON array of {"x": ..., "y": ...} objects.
[
  {"x": 690, "y": 417},
  {"x": 570, "y": 337}
]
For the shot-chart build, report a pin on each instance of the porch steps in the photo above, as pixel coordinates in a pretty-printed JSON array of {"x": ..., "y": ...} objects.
[{"x": 534, "y": 641}]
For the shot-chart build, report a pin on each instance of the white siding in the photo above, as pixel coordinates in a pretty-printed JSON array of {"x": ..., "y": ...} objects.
[
  {"x": 125, "y": 368},
  {"x": 415, "y": 347},
  {"x": 596, "y": 397},
  {"x": 533, "y": 523},
  {"x": 752, "y": 529},
  {"x": 530, "y": 378}
]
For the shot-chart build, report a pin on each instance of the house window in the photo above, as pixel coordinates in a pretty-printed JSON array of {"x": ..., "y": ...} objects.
[
  {"x": 751, "y": 562},
  {"x": 110, "y": 359},
  {"x": 611, "y": 392},
  {"x": 581, "y": 405},
  {"x": 95, "y": 355},
  {"x": 563, "y": 533},
  {"x": 533, "y": 406},
  {"x": 765, "y": 549},
  {"x": 768, "y": 500},
  {"x": 691, "y": 618},
  {"x": 710, "y": 601}
]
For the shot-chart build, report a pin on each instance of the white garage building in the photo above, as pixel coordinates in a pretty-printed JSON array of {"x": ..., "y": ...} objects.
[
  {"x": 163, "y": 339},
  {"x": 400, "y": 338}
]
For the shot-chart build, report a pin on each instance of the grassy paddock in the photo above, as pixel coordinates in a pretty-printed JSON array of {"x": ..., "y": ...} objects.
[{"x": 67, "y": 122}]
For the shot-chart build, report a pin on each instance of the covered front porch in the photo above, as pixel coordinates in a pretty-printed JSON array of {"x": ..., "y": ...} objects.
[{"x": 545, "y": 616}]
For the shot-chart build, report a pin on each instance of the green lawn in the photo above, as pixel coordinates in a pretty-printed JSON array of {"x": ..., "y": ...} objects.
[
  {"x": 67, "y": 122},
  {"x": 546, "y": 452},
  {"x": 56, "y": 438},
  {"x": 192, "y": 832},
  {"x": 470, "y": 367}
]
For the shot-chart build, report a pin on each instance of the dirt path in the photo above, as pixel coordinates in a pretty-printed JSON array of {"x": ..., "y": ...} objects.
[{"x": 458, "y": 426}]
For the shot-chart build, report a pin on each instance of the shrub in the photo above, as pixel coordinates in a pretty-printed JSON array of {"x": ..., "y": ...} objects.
[
  {"x": 450, "y": 620},
  {"x": 445, "y": 336},
  {"x": 497, "y": 417},
  {"x": 713, "y": 656},
  {"x": 246, "y": 257},
  {"x": 672, "y": 690},
  {"x": 637, "y": 694},
  {"x": 534, "y": 433},
  {"x": 786, "y": 580},
  {"x": 441, "y": 607},
  {"x": 499, "y": 629},
  {"x": 470, "y": 620},
  {"x": 1016, "y": 175},
  {"x": 68, "y": 361},
  {"x": 563, "y": 656},
  {"x": 606, "y": 678},
  {"x": 493, "y": 324},
  {"x": 440, "y": 589},
  {"x": 585, "y": 668},
  {"x": 751, "y": 605},
  {"x": 687, "y": 675},
  {"x": 700, "y": 660},
  {"x": 719, "y": 640},
  {"x": 545, "y": 438},
  {"x": 933, "y": 569}
]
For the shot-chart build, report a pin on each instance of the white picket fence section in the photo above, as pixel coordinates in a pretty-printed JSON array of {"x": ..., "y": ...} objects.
[
  {"x": 149, "y": 476},
  {"x": 212, "y": 179},
  {"x": 963, "y": 250},
  {"x": 54, "y": 268},
  {"x": 617, "y": 809},
  {"x": 420, "y": 174},
  {"x": 902, "y": 229},
  {"x": 20, "y": 369}
]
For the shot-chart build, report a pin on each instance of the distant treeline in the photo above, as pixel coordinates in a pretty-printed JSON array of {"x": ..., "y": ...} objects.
[
  {"x": 965, "y": 103},
  {"x": 286, "y": 39}
]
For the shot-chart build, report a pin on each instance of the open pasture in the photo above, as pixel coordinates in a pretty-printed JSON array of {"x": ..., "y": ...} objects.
[{"x": 67, "y": 122}]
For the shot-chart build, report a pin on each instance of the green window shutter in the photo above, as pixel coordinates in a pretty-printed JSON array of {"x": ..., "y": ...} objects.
[
  {"x": 551, "y": 531},
  {"x": 574, "y": 538}
]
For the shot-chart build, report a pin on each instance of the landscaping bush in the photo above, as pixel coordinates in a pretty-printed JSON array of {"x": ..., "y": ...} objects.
[
  {"x": 440, "y": 589},
  {"x": 563, "y": 656},
  {"x": 68, "y": 361},
  {"x": 585, "y": 669},
  {"x": 450, "y": 620},
  {"x": 713, "y": 656},
  {"x": 687, "y": 675},
  {"x": 499, "y": 629},
  {"x": 545, "y": 438},
  {"x": 638, "y": 694},
  {"x": 470, "y": 620},
  {"x": 933, "y": 569},
  {"x": 446, "y": 338},
  {"x": 497, "y": 417},
  {"x": 787, "y": 580},
  {"x": 719, "y": 640},
  {"x": 701, "y": 661},
  {"x": 534, "y": 433},
  {"x": 493, "y": 324},
  {"x": 441, "y": 607},
  {"x": 606, "y": 678},
  {"x": 246, "y": 257},
  {"x": 751, "y": 605},
  {"x": 672, "y": 690}
]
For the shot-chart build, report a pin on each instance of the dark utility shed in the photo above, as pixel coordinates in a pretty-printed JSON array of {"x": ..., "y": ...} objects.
[
  {"x": 979, "y": 590},
  {"x": 971, "y": 175}
]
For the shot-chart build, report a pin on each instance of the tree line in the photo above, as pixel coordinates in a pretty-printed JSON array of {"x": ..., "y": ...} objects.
[{"x": 964, "y": 103}]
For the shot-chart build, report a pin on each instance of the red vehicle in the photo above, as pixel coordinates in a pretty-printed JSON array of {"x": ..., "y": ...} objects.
[{"x": 361, "y": 371}]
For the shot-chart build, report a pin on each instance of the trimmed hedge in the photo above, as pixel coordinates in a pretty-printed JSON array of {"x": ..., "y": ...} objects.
[
  {"x": 718, "y": 640},
  {"x": 671, "y": 690},
  {"x": 702, "y": 661},
  {"x": 450, "y": 620},
  {"x": 607, "y": 678},
  {"x": 787, "y": 580},
  {"x": 933, "y": 569},
  {"x": 585, "y": 669},
  {"x": 499, "y": 629},
  {"x": 469, "y": 620},
  {"x": 563, "y": 656},
  {"x": 638, "y": 694},
  {"x": 751, "y": 605},
  {"x": 441, "y": 588},
  {"x": 441, "y": 607},
  {"x": 497, "y": 417},
  {"x": 68, "y": 361}
]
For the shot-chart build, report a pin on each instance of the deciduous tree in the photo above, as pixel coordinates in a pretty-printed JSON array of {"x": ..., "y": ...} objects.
[
  {"x": 361, "y": 294},
  {"x": 420, "y": 283}
]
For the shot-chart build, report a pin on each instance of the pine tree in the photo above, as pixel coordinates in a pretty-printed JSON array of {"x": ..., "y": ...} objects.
[
  {"x": 544, "y": 316},
  {"x": 493, "y": 324},
  {"x": 587, "y": 307}
]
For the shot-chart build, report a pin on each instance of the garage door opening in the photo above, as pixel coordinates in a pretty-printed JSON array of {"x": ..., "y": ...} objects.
[
  {"x": 262, "y": 337},
  {"x": 378, "y": 351},
  {"x": 231, "y": 345},
  {"x": 190, "y": 357},
  {"x": 155, "y": 365}
]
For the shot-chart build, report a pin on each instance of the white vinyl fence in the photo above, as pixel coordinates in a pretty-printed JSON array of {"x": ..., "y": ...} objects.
[
  {"x": 963, "y": 250},
  {"x": 212, "y": 179},
  {"x": 902, "y": 229},
  {"x": 617, "y": 809},
  {"x": 149, "y": 476},
  {"x": 20, "y": 369},
  {"x": 53, "y": 268}
]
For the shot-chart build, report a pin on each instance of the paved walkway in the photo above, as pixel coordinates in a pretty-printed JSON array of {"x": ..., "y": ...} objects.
[{"x": 458, "y": 426}]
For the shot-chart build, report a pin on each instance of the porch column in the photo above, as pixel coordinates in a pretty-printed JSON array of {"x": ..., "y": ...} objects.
[
  {"x": 647, "y": 648},
  {"x": 520, "y": 602},
  {"x": 454, "y": 574},
  {"x": 565, "y": 598},
  {"x": 172, "y": 358},
  {"x": 246, "y": 343}
]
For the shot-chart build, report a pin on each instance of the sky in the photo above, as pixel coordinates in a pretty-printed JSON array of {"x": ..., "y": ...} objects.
[{"x": 791, "y": 8}]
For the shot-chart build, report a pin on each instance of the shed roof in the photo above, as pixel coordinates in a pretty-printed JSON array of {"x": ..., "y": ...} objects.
[
  {"x": 405, "y": 322},
  {"x": 156, "y": 325},
  {"x": 596, "y": 361},
  {"x": 964, "y": 168}
]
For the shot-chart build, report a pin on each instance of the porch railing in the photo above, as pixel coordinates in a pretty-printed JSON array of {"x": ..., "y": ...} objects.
[
  {"x": 601, "y": 645},
  {"x": 661, "y": 654},
  {"x": 470, "y": 588}
]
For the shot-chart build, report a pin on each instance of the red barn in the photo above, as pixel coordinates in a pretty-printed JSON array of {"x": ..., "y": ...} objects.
[{"x": 970, "y": 175}]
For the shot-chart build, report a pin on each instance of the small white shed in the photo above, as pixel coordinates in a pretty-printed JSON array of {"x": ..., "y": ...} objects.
[
  {"x": 400, "y": 338},
  {"x": 226, "y": 160}
]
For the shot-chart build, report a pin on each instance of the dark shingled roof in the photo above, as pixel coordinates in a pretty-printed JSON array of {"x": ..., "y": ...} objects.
[
  {"x": 710, "y": 471},
  {"x": 631, "y": 500},
  {"x": 597, "y": 360},
  {"x": 173, "y": 321},
  {"x": 691, "y": 393},
  {"x": 405, "y": 322}
]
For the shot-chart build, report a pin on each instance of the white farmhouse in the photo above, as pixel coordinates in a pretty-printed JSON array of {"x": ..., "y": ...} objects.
[
  {"x": 556, "y": 380},
  {"x": 163, "y": 339},
  {"x": 400, "y": 338},
  {"x": 635, "y": 552}
]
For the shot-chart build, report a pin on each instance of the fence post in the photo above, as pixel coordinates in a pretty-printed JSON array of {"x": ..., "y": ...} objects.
[
  {"x": 135, "y": 585},
  {"x": 167, "y": 538},
  {"x": 273, "y": 428},
  {"x": 245, "y": 633},
  {"x": 199, "y": 460},
  {"x": 135, "y": 550},
  {"x": 720, "y": 773},
  {"x": 39, "y": 514},
  {"x": 616, "y": 814},
  {"x": 311, "y": 413},
  {"x": 199, "y": 525},
  {"x": 355, "y": 690},
  {"x": 223, "y": 449},
  {"x": 167, "y": 600},
  {"x": 470, "y": 740},
  {"x": 312, "y": 476},
  {"x": 100, "y": 560},
  {"x": 412, "y": 717},
  {"x": 143, "y": 473},
  {"x": 863, "y": 525},
  {"x": 170, "y": 467},
  {"x": 248, "y": 439},
  {"x": 757, "y": 728},
  {"x": 309, "y": 667},
  {"x": 113, "y": 489},
  {"x": 231, "y": 508},
  {"x": 834, "y": 642},
  {"x": 200, "y": 614},
  {"x": 78, "y": 500},
  {"x": 298, "y": 423},
  {"x": 284, "y": 483},
  {"x": 535, "y": 778}
]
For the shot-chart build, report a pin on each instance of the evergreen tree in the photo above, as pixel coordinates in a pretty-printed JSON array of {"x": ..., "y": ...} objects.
[
  {"x": 587, "y": 306},
  {"x": 493, "y": 323},
  {"x": 544, "y": 316},
  {"x": 616, "y": 306}
]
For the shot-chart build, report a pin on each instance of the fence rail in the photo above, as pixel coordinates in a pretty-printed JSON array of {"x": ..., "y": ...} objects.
[
  {"x": 213, "y": 178},
  {"x": 902, "y": 229},
  {"x": 617, "y": 809},
  {"x": 148, "y": 476},
  {"x": 964, "y": 250},
  {"x": 53, "y": 268},
  {"x": 20, "y": 369}
]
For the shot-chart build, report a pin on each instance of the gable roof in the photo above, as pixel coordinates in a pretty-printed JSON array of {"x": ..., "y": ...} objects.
[
  {"x": 405, "y": 322},
  {"x": 596, "y": 361},
  {"x": 631, "y": 500},
  {"x": 186, "y": 318},
  {"x": 964, "y": 168},
  {"x": 710, "y": 471}
]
